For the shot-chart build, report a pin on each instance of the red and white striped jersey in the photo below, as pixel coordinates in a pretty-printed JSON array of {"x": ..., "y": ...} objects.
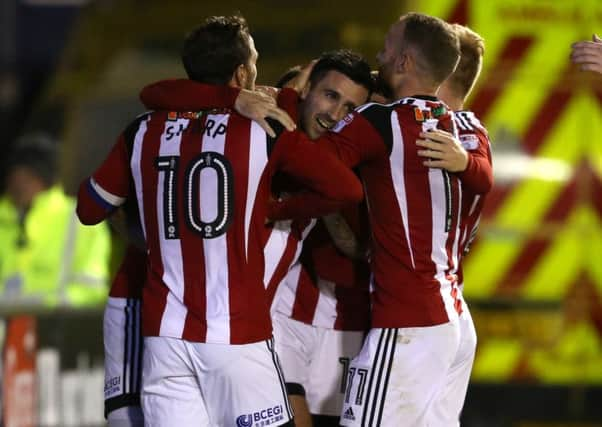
[
  {"x": 282, "y": 251},
  {"x": 325, "y": 288},
  {"x": 201, "y": 182},
  {"x": 284, "y": 244},
  {"x": 323, "y": 303},
  {"x": 476, "y": 180},
  {"x": 414, "y": 210}
]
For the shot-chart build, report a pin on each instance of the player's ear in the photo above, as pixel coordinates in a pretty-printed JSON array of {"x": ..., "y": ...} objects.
[
  {"x": 305, "y": 90},
  {"x": 402, "y": 62},
  {"x": 240, "y": 76}
]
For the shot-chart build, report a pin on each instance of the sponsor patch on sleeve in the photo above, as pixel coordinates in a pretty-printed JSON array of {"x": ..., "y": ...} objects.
[{"x": 469, "y": 142}]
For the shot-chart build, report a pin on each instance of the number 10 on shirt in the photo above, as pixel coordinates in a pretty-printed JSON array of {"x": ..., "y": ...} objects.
[{"x": 191, "y": 197}]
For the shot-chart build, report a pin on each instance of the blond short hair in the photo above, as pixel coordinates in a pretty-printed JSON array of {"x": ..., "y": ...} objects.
[{"x": 472, "y": 48}]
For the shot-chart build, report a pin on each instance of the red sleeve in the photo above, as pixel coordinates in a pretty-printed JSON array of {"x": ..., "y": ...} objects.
[
  {"x": 107, "y": 188},
  {"x": 184, "y": 95},
  {"x": 288, "y": 100},
  {"x": 317, "y": 169},
  {"x": 353, "y": 140},
  {"x": 302, "y": 206},
  {"x": 478, "y": 175}
]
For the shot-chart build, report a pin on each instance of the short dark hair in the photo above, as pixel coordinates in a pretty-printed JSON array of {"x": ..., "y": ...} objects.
[
  {"x": 346, "y": 62},
  {"x": 435, "y": 43},
  {"x": 472, "y": 47},
  {"x": 36, "y": 153},
  {"x": 212, "y": 51},
  {"x": 288, "y": 75}
]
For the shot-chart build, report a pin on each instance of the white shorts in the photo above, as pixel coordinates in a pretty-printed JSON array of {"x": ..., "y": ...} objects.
[
  {"x": 317, "y": 359},
  {"x": 197, "y": 384},
  {"x": 399, "y": 375},
  {"x": 448, "y": 404},
  {"x": 123, "y": 353}
]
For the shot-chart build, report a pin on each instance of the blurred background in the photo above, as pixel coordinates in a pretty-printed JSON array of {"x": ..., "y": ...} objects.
[{"x": 70, "y": 74}]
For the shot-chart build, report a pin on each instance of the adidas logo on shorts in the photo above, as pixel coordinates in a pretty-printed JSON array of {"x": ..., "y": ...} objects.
[{"x": 348, "y": 414}]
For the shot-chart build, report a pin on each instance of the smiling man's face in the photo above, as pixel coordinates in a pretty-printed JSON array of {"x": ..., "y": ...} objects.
[{"x": 329, "y": 100}]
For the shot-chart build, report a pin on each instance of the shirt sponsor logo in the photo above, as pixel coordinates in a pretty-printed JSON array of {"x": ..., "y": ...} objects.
[
  {"x": 469, "y": 142},
  {"x": 189, "y": 115},
  {"x": 349, "y": 415},
  {"x": 262, "y": 418}
]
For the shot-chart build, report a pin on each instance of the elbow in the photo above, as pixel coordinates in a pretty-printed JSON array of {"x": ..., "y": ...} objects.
[
  {"x": 87, "y": 210},
  {"x": 85, "y": 217},
  {"x": 479, "y": 183},
  {"x": 487, "y": 184},
  {"x": 358, "y": 195}
]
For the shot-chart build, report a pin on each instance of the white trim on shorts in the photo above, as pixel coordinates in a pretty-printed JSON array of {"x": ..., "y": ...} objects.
[
  {"x": 399, "y": 375},
  {"x": 376, "y": 389},
  {"x": 123, "y": 347}
]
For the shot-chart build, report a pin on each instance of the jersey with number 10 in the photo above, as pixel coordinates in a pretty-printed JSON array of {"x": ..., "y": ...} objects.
[{"x": 201, "y": 181}]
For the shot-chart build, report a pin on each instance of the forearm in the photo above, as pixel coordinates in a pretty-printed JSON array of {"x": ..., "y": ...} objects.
[
  {"x": 127, "y": 229},
  {"x": 90, "y": 210},
  {"x": 184, "y": 95},
  {"x": 343, "y": 236},
  {"x": 288, "y": 100},
  {"x": 302, "y": 206},
  {"x": 317, "y": 169},
  {"x": 478, "y": 175}
]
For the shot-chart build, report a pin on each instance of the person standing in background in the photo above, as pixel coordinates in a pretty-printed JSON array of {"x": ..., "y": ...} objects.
[{"x": 46, "y": 256}]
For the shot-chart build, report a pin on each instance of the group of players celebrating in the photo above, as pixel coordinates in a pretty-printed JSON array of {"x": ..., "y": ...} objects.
[{"x": 301, "y": 248}]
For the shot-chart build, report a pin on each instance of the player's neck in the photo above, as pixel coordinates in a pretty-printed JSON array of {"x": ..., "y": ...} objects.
[
  {"x": 451, "y": 97},
  {"x": 456, "y": 104},
  {"x": 412, "y": 87}
]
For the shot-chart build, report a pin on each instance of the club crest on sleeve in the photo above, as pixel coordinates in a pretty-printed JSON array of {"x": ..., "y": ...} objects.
[
  {"x": 469, "y": 142},
  {"x": 343, "y": 122},
  {"x": 422, "y": 115}
]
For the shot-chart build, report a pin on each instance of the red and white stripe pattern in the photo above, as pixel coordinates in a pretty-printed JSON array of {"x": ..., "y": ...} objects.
[
  {"x": 335, "y": 295},
  {"x": 322, "y": 302},
  {"x": 414, "y": 212},
  {"x": 201, "y": 289},
  {"x": 202, "y": 184},
  {"x": 282, "y": 252}
]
